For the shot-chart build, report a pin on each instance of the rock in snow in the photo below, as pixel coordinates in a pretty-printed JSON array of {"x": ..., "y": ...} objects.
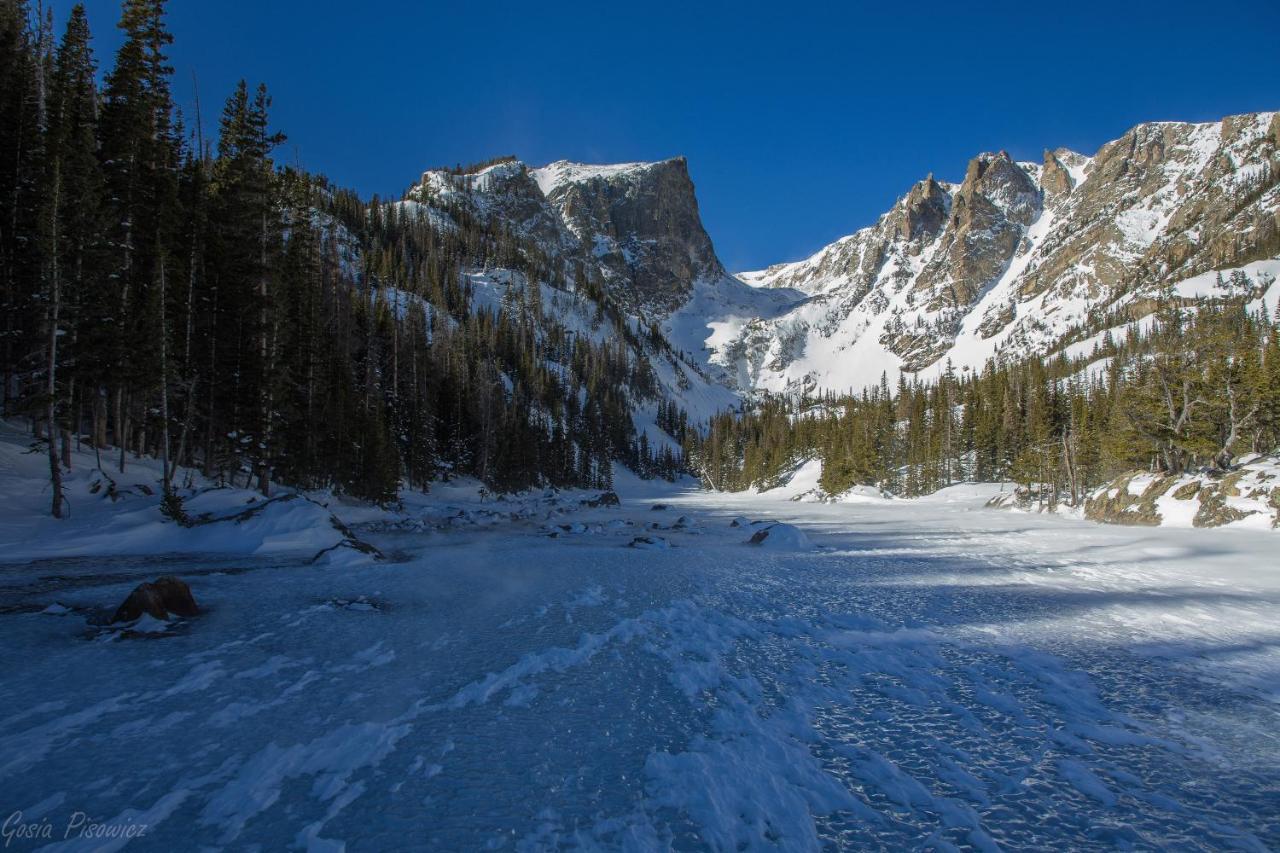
[
  {"x": 650, "y": 543},
  {"x": 167, "y": 595}
]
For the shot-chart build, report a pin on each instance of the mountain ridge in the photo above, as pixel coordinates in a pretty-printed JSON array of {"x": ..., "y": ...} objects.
[
  {"x": 1070, "y": 236},
  {"x": 1018, "y": 258}
]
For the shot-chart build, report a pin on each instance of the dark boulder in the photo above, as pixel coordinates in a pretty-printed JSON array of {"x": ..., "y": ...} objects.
[{"x": 159, "y": 599}]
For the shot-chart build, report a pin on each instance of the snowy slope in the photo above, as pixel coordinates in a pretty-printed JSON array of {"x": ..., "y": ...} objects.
[
  {"x": 563, "y": 173},
  {"x": 110, "y": 512}
]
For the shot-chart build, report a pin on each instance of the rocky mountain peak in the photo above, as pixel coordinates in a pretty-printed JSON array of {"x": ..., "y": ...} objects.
[
  {"x": 1054, "y": 177},
  {"x": 995, "y": 179},
  {"x": 989, "y": 213},
  {"x": 924, "y": 211},
  {"x": 642, "y": 224},
  {"x": 636, "y": 226}
]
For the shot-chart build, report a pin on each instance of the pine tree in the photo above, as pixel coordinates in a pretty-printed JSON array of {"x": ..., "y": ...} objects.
[
  {"x": 69, "y": 220},
  {"x": 245, "y": 245},
  {"x": 139, "y": 156},
  {"x": 21, "y": 142}
]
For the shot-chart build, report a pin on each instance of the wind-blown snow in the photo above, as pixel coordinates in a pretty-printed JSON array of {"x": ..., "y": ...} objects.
[{"x": 555, "y": 175}]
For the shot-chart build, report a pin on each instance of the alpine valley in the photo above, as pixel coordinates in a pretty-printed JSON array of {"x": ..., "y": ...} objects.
[
  {"x": 1088, "y": 266},
  {"x": 497, "y": 514}
]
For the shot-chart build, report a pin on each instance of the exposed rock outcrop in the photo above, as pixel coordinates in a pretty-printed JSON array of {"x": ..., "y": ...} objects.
[
  {"x": 1055, "y": 178},
  {"x": 1250, "y": 494},
  {"x": 166, "y": 596},
  {"x": 989, "y": 214},
  {"x": 924, "y": 212},
  {"x": 642, "y": 224}
]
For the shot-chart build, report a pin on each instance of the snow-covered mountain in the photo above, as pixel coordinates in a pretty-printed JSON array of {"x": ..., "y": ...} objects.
[
  {"x": 631, "y": 231},
  {"x": 635, "y": 225},
  {"x": 1016, "y": 258},
  {"x": 635, "y": 229},
  {"x": 1022, "y": 258}
]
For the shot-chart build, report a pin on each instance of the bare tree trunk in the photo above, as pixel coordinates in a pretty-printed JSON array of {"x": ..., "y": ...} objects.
[
  {"x": 213, "y": 363},
  {"x": 264, "y": 359},
  {"x": 51, "y": 361},
  {"x": 166, "y": 474},
  {"x": 1236, "y": 423},
  {"x": 190, "y": 401},
  {"x": 122, "y": 427},
  {"x": 99, "y": 425},
  {"x": 65, "y": 432},
  {"x": 1040, "y": 486},
  {"x": 1069, "y": 463},
  {"x": 264, "y": 480},
  {"x": 187, "y": 417}
]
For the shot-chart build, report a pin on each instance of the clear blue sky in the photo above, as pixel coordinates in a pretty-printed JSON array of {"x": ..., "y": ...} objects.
[{"x": 801, "y": 123}]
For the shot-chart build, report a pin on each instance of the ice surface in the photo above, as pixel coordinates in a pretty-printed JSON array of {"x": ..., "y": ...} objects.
[{"x": 931, "y": 675}]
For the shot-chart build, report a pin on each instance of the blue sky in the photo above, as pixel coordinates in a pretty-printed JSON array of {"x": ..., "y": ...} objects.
[{"x": 801, "y": 122}]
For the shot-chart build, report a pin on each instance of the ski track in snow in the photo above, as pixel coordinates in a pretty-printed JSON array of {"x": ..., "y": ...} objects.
[{"x": 929, "y": 676}]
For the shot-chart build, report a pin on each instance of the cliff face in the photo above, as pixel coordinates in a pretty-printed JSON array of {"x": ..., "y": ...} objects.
[
  {"x": 641, "y": 223},
  {"x": 634, "y": 225}
]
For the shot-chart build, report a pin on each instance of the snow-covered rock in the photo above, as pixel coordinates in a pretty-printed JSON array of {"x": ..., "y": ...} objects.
[
  {"x": 781, "y": 537},
  {"x": 637, "y": 224}
]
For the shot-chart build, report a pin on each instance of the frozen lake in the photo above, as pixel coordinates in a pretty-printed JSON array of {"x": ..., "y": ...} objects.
[{"x": 930, "y": 674}]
